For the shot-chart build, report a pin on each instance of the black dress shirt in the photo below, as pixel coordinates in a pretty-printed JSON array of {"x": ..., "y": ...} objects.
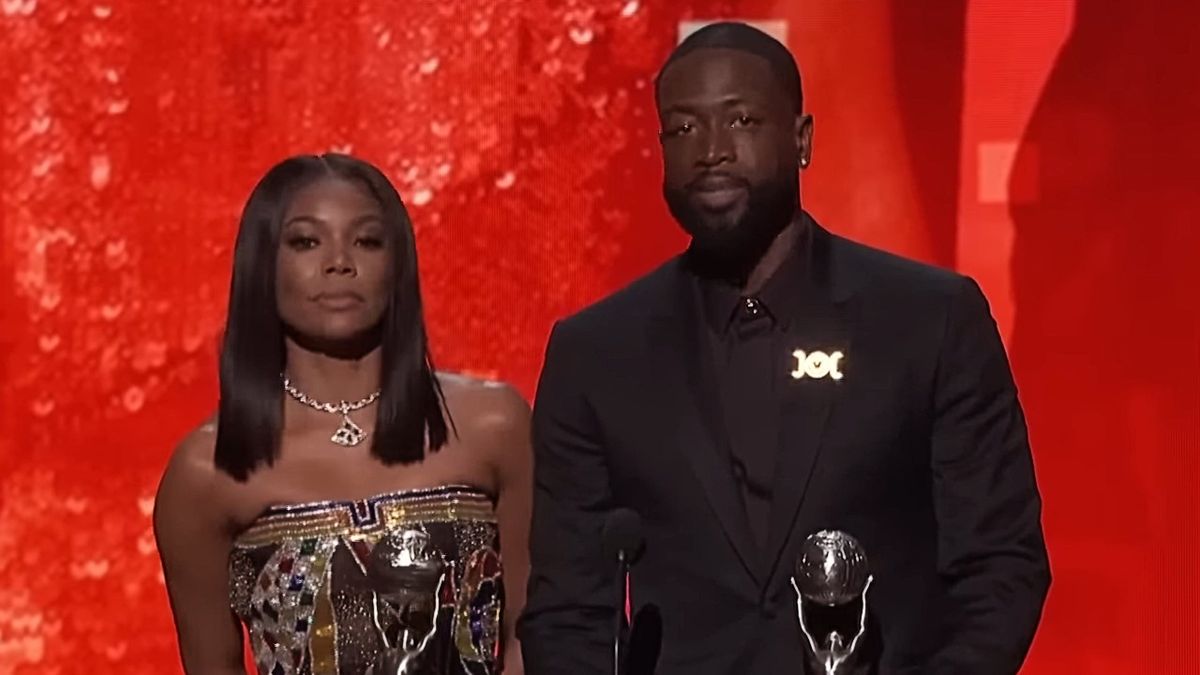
[{"x": 751, "y": 338}]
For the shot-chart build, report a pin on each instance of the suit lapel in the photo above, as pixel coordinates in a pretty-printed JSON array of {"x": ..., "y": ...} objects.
[
  {"x": 824, "y": 324},
  {"x": 687, "y": 374}
]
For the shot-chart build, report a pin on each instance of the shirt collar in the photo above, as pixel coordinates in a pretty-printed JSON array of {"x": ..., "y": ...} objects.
[{"x": 722, "y": 300}]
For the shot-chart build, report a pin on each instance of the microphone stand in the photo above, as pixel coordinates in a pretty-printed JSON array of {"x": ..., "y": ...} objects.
[
  {"x": 619, "y": 626},
  {"x": 623, "y": 536}
]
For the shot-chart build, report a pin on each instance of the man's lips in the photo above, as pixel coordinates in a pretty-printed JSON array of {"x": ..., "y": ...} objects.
[{"x": 717, "y": 192}]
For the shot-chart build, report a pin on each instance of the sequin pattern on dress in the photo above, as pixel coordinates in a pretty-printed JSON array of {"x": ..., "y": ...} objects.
[{"x": 300, "y": 582}]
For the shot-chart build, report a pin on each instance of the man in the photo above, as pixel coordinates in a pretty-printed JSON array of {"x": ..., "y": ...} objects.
[{"x": 773, "y": 381}]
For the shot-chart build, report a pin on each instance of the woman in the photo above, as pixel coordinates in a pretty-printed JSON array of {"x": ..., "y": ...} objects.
[{"x": 348, "y": 504}]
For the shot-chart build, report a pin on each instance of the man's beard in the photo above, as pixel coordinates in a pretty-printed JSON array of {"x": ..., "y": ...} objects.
[{"x": 730, "y": 245}]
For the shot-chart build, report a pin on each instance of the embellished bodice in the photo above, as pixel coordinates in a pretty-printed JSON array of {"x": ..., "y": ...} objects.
[{"x": 341, "y": 588}]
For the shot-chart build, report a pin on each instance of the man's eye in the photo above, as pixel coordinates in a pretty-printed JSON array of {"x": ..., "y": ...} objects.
[{"x": 681, "y": 129}]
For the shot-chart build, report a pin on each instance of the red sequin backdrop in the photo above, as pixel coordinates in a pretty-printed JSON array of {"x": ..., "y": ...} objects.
[{"x": 1045, "y": 146}]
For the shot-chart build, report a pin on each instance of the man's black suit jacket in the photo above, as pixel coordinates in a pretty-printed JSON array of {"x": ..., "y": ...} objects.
[{"x": 920, "y": 451}]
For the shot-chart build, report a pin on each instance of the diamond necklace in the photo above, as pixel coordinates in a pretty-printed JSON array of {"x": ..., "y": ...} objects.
[{"x": 348, "y": 434}]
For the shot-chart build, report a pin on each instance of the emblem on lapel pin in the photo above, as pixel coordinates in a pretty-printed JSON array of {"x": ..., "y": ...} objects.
[{"x": 817, "y": 365}]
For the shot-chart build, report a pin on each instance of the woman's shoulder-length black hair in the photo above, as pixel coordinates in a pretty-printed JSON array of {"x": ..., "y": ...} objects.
[{"x": 410, "y": 411}]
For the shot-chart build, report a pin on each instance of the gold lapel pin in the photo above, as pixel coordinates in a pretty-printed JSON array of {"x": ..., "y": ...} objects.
[{"x": 817, "y": 365}]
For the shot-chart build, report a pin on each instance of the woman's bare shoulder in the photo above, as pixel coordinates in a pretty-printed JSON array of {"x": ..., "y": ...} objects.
[
  {"x": 492, "y": 420},
  {"x": 483, "y": 404},
  {"x": 192, "y": 476},
  {"x": 194, "y": 456}
]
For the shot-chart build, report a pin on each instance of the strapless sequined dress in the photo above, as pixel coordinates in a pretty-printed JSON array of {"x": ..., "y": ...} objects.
[{"x": 303, "y": 582}]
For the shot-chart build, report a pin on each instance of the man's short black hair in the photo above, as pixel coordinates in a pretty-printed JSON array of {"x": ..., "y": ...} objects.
[{"x": 743, "y": 38}]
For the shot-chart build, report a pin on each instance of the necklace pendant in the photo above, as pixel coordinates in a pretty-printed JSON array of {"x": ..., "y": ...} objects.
[{"x": 348, "y": 434}]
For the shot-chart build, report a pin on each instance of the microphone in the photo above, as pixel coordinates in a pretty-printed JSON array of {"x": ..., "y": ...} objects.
[
  {"x": 623, "y": 539},
  {"x": 645, "y": 642},
  {"x": 623, "y": 542}
]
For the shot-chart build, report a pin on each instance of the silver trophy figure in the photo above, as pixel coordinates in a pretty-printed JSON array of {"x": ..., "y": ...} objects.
[
  {"x": 831, "y": 571},
  {"x": 407, "y": 575}
]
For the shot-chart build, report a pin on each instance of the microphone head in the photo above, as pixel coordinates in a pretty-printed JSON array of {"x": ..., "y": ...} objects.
[{"x": 623, "y": 532}]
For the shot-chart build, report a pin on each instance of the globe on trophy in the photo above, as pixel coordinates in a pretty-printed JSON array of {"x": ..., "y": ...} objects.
[
  {"x": 407, "y": 573},
  {"x": 831, "y": 573}
]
